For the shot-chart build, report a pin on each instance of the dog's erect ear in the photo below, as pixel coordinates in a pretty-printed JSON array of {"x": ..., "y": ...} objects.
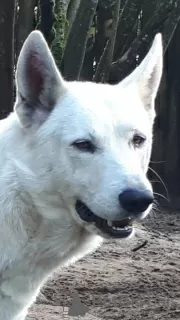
[
  {"x": 39, "y": 83},
  {"x": 148, "y": 74}
]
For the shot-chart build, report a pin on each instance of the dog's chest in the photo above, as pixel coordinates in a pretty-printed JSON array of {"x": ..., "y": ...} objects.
[{"x": 57, "y": 245}]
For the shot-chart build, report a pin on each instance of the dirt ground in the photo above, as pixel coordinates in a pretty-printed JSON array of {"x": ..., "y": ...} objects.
[{"x": 118, "y": 283}]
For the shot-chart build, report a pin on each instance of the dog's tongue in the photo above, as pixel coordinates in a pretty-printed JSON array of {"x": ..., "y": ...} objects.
[{"x": 122, "y": 223}]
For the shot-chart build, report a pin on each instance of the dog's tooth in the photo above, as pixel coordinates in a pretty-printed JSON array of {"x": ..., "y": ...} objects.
[
  {"x": 109, "y": 223},
  {"x": 117, "y": 228}
]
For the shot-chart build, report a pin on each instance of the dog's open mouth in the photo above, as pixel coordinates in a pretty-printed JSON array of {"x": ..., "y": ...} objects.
[{"x": 116, "y": 229}]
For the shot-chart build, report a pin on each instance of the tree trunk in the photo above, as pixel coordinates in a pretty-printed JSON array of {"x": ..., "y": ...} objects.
[
  {"x": 104, "y": 65},
  {"x": 169, "y": 113},
  {"x": 46, "y": 8},
  {"x": 61, "y": 29},
  {"x": 104, "y": 27},
  {"x": 171, "y": 25},
  {"x": 127, "y": 21},
  {"x": 7, "y": 10},
  {"x": 77, "y": 40},
  {"x": 71, "y": 12},
  {"x": 24, "y": 23}
]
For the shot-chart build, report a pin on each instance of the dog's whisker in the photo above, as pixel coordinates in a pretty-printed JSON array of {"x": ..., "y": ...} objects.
[
  {"x": 155, "y": 209},
  {"x": 158, "y": 176},
  {"x": 155, "y": 181},
  {"x": 161, "y": 195},
  {"x": 157, "y": 161}
]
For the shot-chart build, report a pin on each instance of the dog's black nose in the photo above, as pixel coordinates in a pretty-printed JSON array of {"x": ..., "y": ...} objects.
[{"x": 135, "y": 201}]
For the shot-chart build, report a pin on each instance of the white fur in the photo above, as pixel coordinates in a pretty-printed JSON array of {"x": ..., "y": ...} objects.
[{"x": 42, "y": 174}]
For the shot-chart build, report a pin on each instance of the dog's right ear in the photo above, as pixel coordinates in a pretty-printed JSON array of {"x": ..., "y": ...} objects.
[
  {"x": 38, "y": 82},
  {"x": 147, "y": 75}
]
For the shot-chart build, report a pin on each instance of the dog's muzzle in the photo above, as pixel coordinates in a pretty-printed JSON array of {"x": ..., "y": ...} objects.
[{"x": 115, "y": 229}]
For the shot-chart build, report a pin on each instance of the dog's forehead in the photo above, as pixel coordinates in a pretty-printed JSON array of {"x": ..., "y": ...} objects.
[{"x": 103, "y": 108}]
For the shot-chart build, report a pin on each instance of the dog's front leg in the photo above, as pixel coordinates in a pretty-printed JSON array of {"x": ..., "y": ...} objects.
[
  {"x": 9, "y": 309},
  {"x": 16, "y": 295},
  {"x": 21, "y": 316}
]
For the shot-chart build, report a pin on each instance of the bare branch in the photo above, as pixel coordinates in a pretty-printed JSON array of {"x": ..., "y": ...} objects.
[
  {"x": 126, "y": 63},
  {"x": 142, "y": 245},
  {"x": 127, "y": 21}
]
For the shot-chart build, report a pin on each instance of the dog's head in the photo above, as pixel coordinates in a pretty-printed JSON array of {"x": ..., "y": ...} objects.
[{"x": 90, "y": 142}]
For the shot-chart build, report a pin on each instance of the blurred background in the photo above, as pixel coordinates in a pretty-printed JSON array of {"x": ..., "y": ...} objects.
[{"x": 104, "y": 41}]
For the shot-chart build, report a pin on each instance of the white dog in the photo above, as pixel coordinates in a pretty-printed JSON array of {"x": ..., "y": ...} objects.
[{"x": 73, "y": 165}]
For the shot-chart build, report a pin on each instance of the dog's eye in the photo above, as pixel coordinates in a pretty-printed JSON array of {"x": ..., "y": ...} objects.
[
  {"x": 138, "y": 140},
  {"x": 84, "y": 145}
]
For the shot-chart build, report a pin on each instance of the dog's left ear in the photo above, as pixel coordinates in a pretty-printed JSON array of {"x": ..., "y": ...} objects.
[
  {"x": 38, "y": 81},
  {"x": 147, "y": 75}
]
